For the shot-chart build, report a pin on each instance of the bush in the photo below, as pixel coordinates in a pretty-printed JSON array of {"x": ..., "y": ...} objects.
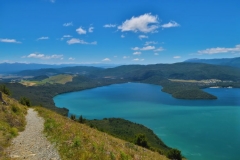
[
  {"x": 25, "y": 101},
  {"x": 81, "y": 119},
  {"x": 141, "y": 140},
  {"x": 15, "y": 109},
  {"x": 5, "y": 90},
  {"x": 73, "y": 117},
  {"x": 174, "y": 154},
  {"x": 76, "y": 142},
  {"x": 14, "y": 131}
]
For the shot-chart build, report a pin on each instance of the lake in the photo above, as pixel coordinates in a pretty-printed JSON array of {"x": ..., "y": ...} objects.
[{"x": 201, "y": 129}]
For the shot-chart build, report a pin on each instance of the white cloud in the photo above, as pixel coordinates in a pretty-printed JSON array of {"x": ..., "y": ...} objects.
[
  {"x": 43, "y": 56},
  {"x": 43, "y": 38},
  {"x": 144, "y": 48},
  {"x": 150, "y": 42},
  {"x": 80, "y": 30},
  {"x": 6, "y": 40},
  {"x": 159, "y": 49},
  {"x": 93, "y": 43},
  {"x": 90, "y": 29},
  {"x": 147, "y": 48},
  {"x": 35, "y": 55},
  {"x": 68, "y": 24},
  {"x": 156, "y": 54},
  {"x": 79, "y": 41},
  {"x": 170, "y": 24},
  {"x": 145, "y": 23},
  {"x": 109, "y": 25},
  {"x": 106, "y": 60},
  {"x": 71, "y": 59},
  {"x": 67, "y": 36},
  {"x": 137, "y": 53},
  {"x": 52, "y": 1},
  {"x": 122, "y": 36},
  {"x": 135, "y": 48},
  {"x": 142, "y": 36},
  {"x": 220, "y": 50},
  {"x": 177, "y": 57},
  {"x": 137, "y": 59},
  {"x": 125, "y": 57}
]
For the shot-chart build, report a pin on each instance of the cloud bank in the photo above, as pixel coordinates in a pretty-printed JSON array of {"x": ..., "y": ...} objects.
[{"x": 144, "y": 23}]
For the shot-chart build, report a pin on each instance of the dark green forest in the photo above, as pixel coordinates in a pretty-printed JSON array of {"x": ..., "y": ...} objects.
[{"x": 158, "y": 74}]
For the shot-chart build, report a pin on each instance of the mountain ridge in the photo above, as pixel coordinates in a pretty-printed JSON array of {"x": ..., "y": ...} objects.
[{"x": 234, "y": 62}]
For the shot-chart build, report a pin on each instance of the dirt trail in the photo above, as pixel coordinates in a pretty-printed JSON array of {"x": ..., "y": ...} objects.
[{"x": 31, "y": 143}]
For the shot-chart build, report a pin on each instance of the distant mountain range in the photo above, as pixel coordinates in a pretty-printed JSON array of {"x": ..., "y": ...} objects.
[
  {"x": 16, "y": 67},
  {"x": 48, "y": 69},
  {"x": 196, "y": 71},
  {"x": 234, "y": 62}
]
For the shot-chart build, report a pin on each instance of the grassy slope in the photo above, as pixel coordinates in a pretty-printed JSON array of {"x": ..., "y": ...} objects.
[
  {"x": 127, "y": 130},
  {"x": 78, "y": 141},
  {"x": 60, "y": 79},
  {"x": 12, "y": 120}
]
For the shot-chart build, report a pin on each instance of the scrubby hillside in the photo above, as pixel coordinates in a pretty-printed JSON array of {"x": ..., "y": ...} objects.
[
  {"x": 78, "y": 141},
  {"x": 12, "y": 120}
]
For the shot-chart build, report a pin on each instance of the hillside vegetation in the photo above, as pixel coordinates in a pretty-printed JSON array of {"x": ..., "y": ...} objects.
[
  {"x": 129, "y": 131},
  {"x": 78, "y": 141},
  {"x": 234, "y": 62},
  {"x": 58, "y": 79},
  {"x": 12, "y": 121},
  {"x": 159, "y": 74}
]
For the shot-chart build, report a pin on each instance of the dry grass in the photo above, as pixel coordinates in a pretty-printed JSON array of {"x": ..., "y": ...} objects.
[
  {"x": 12, "y": 120},
  {"x": 188, "y": 81},
  {"x": 60, "y": 79},
  {"x": 28, "y": 83},
  {"x": 79, "y": 142}
]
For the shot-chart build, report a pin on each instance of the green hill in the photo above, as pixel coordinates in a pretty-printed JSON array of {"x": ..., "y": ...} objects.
[
  {"x": 128, "y": 131},
  {"x": 12, "y": 121},
  {"x": 234, "y": 62},
  {"x": 72, "y": 139},
  {"x": 79, "y": 141}
]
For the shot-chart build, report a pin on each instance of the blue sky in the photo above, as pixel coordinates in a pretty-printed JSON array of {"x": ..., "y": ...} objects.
[{"x": 118, "y": 32}]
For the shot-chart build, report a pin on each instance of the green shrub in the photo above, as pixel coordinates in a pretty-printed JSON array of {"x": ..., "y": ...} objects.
[
  {"x": 124, "y": 156},
  {"x": 174, "y": 154},
  {"x": 25, "y": 101},
  {"x": 73, "y": 117},
  {"x": 14, "y": 131},
  {"x": 15, "y": 109},
  {"x": 81, "y": 119},
  {"x": 141, "y": 140},
  {"x": 76, "y": 142},
  {"x": 5, "y": 90}
]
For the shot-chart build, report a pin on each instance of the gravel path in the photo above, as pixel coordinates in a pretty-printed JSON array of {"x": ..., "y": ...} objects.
[{"x": 31, "y": 143}]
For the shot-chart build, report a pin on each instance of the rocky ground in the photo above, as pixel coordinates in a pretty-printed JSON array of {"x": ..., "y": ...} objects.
[{"x": 31, "y": 143}]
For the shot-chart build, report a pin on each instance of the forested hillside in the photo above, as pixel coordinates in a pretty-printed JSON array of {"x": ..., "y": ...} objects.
[{"x": 234, "y": 62}]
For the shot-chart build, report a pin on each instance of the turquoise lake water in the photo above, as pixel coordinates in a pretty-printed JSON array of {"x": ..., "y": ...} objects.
[{"x": 201, "y": 129}]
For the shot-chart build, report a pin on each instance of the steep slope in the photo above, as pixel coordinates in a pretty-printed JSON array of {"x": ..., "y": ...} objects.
[
  {"x": 79, "y": 141},
  {"x": 12, "y": 120},
  {"x": 72, "y": 139}
]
